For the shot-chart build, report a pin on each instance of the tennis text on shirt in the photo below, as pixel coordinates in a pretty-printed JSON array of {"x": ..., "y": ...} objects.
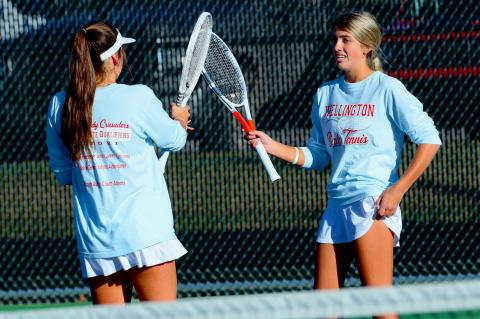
[
  {"x": 109, "y": 133},
  {"x": 350, "y": 123}
]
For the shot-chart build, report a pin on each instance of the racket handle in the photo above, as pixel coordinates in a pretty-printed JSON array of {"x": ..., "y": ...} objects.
[
  {"x": 246, "y": 127},
  {"x": 163, "y": 161},
  {"x": 272, "y": 172},
  {"x": 181, "y": 100},
  {"x": 251, "y": 124}
]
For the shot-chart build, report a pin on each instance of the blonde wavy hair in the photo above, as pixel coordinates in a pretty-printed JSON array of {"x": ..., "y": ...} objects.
[{"x": 364, "y": 27}]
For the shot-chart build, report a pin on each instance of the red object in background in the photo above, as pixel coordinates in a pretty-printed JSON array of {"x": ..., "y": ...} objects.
[
  {"x": 432, "y": 37},
  {"x": 440, "y": 72}
]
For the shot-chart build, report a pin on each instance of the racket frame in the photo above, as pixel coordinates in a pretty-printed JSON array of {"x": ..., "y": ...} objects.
[
  {"x": 185, "y": 89},
  {"x": 247, "y": 124}
]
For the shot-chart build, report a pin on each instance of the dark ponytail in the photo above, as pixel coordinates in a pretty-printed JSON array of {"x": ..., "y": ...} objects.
[{"x": 85, "y": 68}]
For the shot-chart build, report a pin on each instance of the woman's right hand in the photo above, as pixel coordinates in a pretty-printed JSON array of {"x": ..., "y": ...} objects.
[
  {"x": 282, "y": 151},
  {"x": 254, "y": 137},
  {"x": 181, "y": 114}
]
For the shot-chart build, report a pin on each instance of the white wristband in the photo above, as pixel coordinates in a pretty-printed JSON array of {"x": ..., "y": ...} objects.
[{"x": 297, "y": 155}]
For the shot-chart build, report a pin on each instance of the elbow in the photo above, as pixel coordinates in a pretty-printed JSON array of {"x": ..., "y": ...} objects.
[
  {"x": 424, "y": 135},
  {"x": 63, "y": 176},
  {"x": 435, "y": 148},
  {"x": 314, "y": 159},
  {"x": 64, "y": 179},
  {"x": 425, "y": 132},
  {"x": 428, "y": 150},
  {"x": 433, "y": 140},
  {"x": 179, "y": 142},
  {"x": 181, "y": 139},
  {"x": 319, "y": 165}
]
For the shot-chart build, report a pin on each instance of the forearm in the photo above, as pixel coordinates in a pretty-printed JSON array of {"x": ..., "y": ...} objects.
[
  {"x": 287, "y": 153},
  {"x": 421, "y": 160}
]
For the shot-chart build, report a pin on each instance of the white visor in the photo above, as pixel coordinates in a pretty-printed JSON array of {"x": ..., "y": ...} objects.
[{"x": 116, "y": 46}]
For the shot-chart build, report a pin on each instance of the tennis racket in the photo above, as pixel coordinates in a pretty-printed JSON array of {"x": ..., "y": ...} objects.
[
  {"x": 192, "y": 68},
  {"x": 225, "y": 78}
]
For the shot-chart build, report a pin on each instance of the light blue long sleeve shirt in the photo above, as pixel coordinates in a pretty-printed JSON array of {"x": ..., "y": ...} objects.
[
  {"x": 360, "y": 128},
  {"x": 120, "y": 197}
]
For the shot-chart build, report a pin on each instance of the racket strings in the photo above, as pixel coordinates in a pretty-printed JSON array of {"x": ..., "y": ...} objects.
[{"x": 224, "y": 71}]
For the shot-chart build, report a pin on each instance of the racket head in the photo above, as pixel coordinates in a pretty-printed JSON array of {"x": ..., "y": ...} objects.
[
  {"x": 223, "y": 74},
  {"x": 195, "y": 56}
]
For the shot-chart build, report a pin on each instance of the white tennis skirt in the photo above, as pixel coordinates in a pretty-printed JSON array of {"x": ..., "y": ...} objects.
[
  {"x": 346, "y": 223},
  {"x": 157, "y": 254}
]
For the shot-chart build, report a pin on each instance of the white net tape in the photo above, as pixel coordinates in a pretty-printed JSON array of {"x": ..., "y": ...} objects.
[{"x": 354, "y": 302}]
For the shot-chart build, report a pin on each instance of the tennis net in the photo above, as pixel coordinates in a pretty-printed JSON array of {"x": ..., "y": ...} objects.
[{"x": 440, "y": 300}]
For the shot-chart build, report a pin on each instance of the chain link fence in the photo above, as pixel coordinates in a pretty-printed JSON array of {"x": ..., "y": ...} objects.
[{"x": 249, "y": 236}]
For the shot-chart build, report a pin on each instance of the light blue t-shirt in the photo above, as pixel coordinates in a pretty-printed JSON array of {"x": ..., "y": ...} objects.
[
  {"x": 360, "y": 128},
  {"x": 120, "y": 197}
]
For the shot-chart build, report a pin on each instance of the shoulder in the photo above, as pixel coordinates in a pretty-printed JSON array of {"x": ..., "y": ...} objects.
[
  {"x": 390, "y": 83},
  {"x": 56, "y": 102},
  {"x": 327, "y": 88},
  {"x": 136, "y": 89},
  {"x": 58, "y": 97},
  {"x": 137, "y": 94},
  {"x": 140, "y": 95}
]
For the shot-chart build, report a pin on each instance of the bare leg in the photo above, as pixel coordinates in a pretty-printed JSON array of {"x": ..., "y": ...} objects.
[
  {"x": 113, "y": 289},
  {"x": 332, "y": 264},
  {"x": 155, "y": 283},
  {"x": 374, "y": 252}
]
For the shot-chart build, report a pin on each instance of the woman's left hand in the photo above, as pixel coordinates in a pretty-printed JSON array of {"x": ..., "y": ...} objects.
[{"x": 388, "y": 202}]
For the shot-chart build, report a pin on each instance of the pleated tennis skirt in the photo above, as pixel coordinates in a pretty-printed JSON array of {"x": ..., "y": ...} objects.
[
  {"x": 157, "y": 254},
  {"x": 346, "y": 223}
]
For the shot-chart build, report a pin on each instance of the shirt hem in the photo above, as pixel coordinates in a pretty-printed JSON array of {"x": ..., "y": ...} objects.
[
  {"x": 350, "y": 200},
  {"x": 116, "y": 253}
]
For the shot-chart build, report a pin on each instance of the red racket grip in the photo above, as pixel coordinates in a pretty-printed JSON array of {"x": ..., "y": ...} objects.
[{"x": 245, "y": 125}]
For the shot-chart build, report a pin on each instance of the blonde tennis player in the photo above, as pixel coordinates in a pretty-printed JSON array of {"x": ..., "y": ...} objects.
[
  {"x": 359, "y": 123},
  {"x": 101, "y": 137}
]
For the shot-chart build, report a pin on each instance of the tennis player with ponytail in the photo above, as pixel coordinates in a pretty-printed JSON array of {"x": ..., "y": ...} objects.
[
  {"x": 101, "y": 137},
  {"x": 359, "y": 122}
]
